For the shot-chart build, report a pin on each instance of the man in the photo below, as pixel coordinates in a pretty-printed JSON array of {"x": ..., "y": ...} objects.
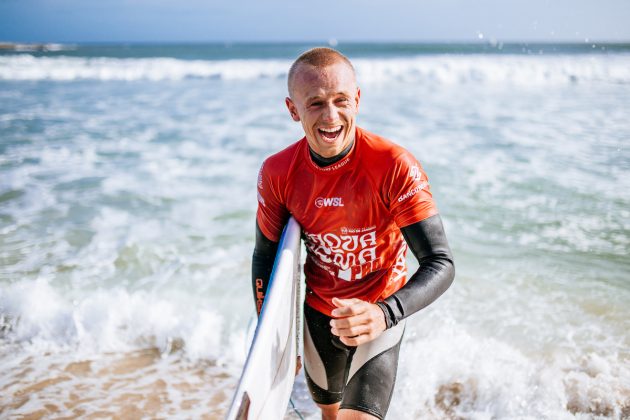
[{"x": 355, "y": 195}]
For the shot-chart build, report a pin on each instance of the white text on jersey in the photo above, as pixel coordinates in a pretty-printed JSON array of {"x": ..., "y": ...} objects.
[{"x": 328, "y": 202}]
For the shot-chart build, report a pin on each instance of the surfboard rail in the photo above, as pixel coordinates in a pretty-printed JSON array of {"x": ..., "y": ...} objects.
[{"x": 266, "y": 382}]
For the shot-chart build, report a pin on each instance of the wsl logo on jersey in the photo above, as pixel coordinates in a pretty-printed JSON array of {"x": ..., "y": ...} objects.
[{"x": 328, "y": 202}]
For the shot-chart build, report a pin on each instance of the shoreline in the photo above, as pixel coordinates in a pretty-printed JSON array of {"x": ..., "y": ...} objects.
[{"x": 116, "y": 385}]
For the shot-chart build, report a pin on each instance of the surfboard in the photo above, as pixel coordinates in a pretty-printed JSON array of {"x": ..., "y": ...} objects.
[{"x": 266, "y": 382}]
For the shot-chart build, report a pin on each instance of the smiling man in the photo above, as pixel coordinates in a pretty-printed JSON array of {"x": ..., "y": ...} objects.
[
  {"x": 361, "y": 201},
  {"x": 326, "y": 101}
]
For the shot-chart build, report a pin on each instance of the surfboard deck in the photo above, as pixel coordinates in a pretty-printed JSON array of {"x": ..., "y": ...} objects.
[{"x": 266, "y": 382}]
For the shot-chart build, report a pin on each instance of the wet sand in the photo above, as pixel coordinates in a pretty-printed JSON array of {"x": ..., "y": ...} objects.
[{"x": 119, "y": 386}]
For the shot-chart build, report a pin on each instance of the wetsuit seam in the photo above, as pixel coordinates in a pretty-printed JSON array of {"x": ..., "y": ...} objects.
[
  {"x": 374, "y": 357},
  {"x": 329, "y": 397}
]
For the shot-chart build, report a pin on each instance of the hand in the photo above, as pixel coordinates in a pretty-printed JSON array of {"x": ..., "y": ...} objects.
[
  {"x": 356, "y": 321},
  {"x": 298, "y": 365}
]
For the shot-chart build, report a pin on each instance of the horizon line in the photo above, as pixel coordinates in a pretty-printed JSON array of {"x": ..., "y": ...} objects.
[{"x": 329, "y": 42}]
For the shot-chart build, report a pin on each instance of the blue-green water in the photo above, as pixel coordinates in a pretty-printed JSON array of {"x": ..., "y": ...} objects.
[
  {"x": 289, "y": 51},
  {"x": 127, "y": 200}
]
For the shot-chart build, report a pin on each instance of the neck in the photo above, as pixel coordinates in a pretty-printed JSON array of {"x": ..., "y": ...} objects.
[{"x": 322, "y": 161}]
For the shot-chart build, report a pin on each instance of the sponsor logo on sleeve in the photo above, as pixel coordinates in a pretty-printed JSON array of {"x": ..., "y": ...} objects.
[
  {"x": 413, "y": 192},
  {"x": 415, "y": 173},
  {"x": 260, "y": 295},
  {"x": 328, "y": 202},
  {"x": 260, "y": 177}
]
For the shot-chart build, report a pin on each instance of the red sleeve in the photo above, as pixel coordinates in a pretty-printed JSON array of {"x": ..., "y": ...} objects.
[
  {"x": 410, "y": 195},
  {"x": 272, "y": 214}
]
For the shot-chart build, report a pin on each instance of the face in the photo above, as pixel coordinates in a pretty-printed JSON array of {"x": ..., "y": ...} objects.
[{"x": 326, "y": 102}]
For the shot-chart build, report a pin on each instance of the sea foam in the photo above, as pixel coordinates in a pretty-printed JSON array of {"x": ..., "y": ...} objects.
[
  {"x": 38, "y": 318},
  {"x": 439, "y": 69}
]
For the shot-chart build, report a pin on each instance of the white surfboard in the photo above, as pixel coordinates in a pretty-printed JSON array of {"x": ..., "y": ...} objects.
[{"x": 265, "y": 386}]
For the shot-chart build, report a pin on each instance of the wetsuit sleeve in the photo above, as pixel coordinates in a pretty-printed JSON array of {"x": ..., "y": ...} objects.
[
  {"x": 427, "y": 241},
  {"x": 272, "y": 213},
  {"x": 262, "y": 265},
  {"x": 271, "y": 217},
  {"x": 408, "y": 191}
]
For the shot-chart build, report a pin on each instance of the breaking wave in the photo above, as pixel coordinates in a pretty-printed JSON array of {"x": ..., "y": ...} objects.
[{"x": 441, "y": 70}]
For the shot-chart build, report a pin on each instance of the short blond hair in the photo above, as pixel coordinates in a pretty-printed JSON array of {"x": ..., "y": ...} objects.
[{"x": 316, "y": 57}]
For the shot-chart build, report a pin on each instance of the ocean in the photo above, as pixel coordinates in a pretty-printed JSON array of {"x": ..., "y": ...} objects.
[{"x": 127, "y": 205}]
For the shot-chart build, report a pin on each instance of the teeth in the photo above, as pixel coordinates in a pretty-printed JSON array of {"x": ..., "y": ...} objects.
[{"x": 331, "y": 130}]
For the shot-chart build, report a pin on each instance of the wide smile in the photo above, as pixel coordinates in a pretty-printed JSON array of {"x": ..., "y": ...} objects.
[{"x": 330, "y": 134}]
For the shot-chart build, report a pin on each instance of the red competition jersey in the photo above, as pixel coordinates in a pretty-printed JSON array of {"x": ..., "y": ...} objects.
[{"x": 351, "y": 213}]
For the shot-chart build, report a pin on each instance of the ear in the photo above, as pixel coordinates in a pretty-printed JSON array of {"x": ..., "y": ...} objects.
[
  {"x": 292, "y": 109},
  {"x": 357, "y": 98}
]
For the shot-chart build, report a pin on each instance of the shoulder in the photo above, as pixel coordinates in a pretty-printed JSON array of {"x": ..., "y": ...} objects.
[
  {"x": 379, "y": 152},
  {"x": 280, "y": 163}
]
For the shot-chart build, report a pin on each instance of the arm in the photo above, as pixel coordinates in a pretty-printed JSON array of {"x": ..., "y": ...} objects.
[
  {"x": 427, "y": 241},
  {"x": 359, "y": 321},
  {"x": 262, "y": 264}
]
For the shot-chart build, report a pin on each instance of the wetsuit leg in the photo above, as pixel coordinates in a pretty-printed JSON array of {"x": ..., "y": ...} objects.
[{"x": 361, "y": 378}]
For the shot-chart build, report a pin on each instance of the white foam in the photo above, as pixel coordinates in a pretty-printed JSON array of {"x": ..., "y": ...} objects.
[
  {"x": 41, "y": 319},
  {"x": 26, "y": 67},
  {"x": 427, "y": 70},
  {"x": 448, "y": 371}
]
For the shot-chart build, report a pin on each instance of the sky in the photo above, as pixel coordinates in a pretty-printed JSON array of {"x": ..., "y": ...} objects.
[{"x": 285, "y": 21}]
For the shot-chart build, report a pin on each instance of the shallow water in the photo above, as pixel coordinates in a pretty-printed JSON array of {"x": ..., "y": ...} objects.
[{"x": 127, "y": 204}]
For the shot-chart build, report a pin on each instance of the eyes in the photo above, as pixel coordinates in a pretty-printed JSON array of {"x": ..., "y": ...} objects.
[{"x": 341, "y": 101}]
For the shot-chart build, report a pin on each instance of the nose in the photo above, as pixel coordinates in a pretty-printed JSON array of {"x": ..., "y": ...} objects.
[{"x": 330, "y": 113}]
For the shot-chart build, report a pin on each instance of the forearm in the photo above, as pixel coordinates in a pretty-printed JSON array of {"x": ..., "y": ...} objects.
[
  {"x": 428, "y": 243},
  {"x": 262, "y": 265}
]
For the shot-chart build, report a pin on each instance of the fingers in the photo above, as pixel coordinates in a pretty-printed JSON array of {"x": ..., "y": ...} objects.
[
  {"x": 357, "y": 324},
  {"x": 354, "y": 331},
  {"x": 356, "y": 321},
  {"x": 345, "y": 302},
  {"x": 350, "y": 320},
  {"x": 348, "y": 307},
  {"x": 351, "y": 331}
]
